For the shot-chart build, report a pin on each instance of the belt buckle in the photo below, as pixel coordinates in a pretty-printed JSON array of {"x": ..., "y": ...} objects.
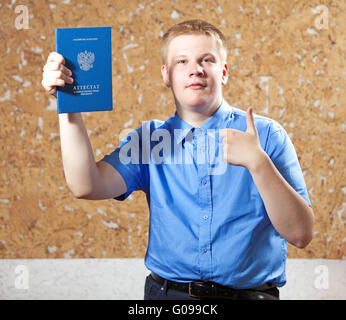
[{"x": 200, "y": 284}]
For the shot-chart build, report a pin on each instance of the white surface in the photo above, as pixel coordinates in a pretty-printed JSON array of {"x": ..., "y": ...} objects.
[{"x": 123, "y": 279}]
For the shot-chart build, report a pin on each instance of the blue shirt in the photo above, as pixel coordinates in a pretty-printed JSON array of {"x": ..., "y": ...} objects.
[{"x": 207, "y": 218}]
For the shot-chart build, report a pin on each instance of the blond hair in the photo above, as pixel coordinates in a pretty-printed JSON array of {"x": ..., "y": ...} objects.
[{"x": 194, "y": 27}]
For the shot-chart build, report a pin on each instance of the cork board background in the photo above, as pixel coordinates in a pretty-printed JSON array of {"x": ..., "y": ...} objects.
[{"x": 281, "y": 61}]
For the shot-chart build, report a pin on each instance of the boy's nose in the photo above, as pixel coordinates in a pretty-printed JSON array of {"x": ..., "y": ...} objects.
[{"x": 196, "y": 70}]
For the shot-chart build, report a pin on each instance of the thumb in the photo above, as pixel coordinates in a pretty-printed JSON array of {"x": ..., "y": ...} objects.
[{"x": 250, "y": 122}]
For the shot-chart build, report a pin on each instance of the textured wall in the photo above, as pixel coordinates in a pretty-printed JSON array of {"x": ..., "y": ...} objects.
[{"x": 280, "y": 63}]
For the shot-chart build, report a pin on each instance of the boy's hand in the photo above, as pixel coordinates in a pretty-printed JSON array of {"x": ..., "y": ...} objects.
[
  {"x": 243, "y": 148},
  {"x": 55, "y": 73}
]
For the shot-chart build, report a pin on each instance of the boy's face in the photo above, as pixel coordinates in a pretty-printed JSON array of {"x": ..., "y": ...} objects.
[{"x": 195, "y": 71}]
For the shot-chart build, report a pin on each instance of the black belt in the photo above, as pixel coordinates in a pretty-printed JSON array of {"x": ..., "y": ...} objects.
[{"x": 202, "y": 289}]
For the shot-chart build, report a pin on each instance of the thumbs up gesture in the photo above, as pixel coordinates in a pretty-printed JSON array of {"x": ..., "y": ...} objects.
[{"x": 243, "y": 148}]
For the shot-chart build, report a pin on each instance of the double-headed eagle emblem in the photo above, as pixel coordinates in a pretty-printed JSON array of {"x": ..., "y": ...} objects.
[{"x": 85, "y": 60}]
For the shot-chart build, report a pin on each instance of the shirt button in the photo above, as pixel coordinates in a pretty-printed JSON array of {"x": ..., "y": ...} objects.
[
  {"x": 204, "y": 250},
  {"x": 204, "y": 182},
  {"x": 205, "y": 217}
]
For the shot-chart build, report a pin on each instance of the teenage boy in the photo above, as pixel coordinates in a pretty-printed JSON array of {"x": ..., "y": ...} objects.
[{"x": 213, "y": 233}]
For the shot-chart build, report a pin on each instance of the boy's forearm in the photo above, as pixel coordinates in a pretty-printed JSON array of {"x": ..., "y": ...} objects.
[
  {"x": 77, "y": 154},
  {"x": 288, "y": 211}
]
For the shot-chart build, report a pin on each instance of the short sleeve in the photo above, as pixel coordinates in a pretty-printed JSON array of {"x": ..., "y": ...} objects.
[
  {"x": 282, "y": 152},
  {"x": 126, "y": 159}
]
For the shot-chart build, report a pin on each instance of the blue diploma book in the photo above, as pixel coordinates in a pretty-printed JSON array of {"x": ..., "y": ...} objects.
[{"x": 88, "y": 54}]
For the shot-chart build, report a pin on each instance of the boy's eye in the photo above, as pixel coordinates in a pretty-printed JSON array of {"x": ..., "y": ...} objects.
[{"x": 181, "y": 61}]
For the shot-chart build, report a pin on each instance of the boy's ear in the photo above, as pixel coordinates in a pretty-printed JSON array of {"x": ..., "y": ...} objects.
[
  {"x": 224, "y": 74},
  {"x": 165, "y": 75}
]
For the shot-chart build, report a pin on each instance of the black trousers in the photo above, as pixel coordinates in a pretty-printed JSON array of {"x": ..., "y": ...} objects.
[{"x": 154, "y": 291}]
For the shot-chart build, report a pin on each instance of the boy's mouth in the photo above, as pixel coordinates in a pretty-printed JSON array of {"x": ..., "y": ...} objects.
[{"x": 197, "y": 85}]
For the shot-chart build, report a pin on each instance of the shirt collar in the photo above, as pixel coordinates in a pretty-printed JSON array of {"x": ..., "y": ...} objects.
[{"x": 214, "y": 122}]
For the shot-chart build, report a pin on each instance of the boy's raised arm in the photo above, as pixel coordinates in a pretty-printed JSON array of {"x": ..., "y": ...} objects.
[{"x": 85, "y": 178}]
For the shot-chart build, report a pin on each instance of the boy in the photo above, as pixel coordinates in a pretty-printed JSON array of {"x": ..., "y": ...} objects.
[{"x": 214, "y": 233}]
